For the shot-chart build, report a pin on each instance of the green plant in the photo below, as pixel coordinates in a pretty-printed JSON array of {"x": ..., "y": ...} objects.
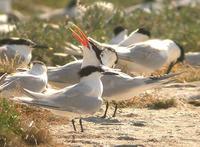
[{"x": 9, "y": 118}]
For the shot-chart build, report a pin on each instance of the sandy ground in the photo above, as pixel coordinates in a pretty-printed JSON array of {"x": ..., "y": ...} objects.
[{"x": 178, "y": 126}]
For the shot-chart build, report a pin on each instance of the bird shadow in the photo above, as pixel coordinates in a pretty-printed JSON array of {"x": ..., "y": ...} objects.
[{"x": 103, "y": 121}]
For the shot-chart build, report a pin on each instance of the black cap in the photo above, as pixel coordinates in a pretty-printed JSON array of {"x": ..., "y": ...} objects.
[
  {"x": 118, "y": 30},
  {"x": 17, "y": 41},
  {"x": 72, "y": 3},
  {"x": 144, "y": 31}
]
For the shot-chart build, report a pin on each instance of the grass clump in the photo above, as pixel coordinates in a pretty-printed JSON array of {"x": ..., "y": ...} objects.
[
  {"x": 9, "y": 123},
  {"x": 16, "y": 130},
  {"x": 163, "y": 104}
]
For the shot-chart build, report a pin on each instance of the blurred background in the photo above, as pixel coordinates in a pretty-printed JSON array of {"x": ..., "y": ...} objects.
[{"x": 44, "y": 21}]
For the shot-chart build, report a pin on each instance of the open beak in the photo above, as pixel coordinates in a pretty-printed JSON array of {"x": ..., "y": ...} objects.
[{"x": 78, "y": 34}]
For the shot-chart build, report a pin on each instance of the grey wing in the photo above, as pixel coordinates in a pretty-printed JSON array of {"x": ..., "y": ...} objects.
[
  {"x": 73, "y": 99},
  {"x": 145, "y": 55},
  {"x": 78, "y": 99},
  {"x": 67, "y": 74},
  {"x": 115, "y": 84},
  {"x": 29, "y": 82}
]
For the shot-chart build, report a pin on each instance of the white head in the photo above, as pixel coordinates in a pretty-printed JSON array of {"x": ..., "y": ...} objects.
[
  {"x": 109, "y": 57},
  {"x": 38, "y": 68},
  {"x": 92, "y": 54}
]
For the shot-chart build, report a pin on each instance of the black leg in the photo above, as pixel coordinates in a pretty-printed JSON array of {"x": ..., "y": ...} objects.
[
  {"x": 170, "y": 68},
  {"x": 80, "y": 121},
  {"x": 73, "y": 123},
  {"x": 114, "y": 114},
  {"x": 107, "y": 105}
]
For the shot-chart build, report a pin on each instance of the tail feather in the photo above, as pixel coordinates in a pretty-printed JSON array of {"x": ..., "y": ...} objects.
[
  {"x": 162, "y": 79},
  {"x": 2, "y": 78},
  {"x": 7, "y": 84},
  {"x": 36, "y": 102}
]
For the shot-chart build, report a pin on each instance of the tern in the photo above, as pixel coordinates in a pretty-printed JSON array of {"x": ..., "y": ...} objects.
[
  {"x": 139, "y": 35},
  {"x": 117, "y": 87},
  {"x": 18, "y": 49},
  {"x": 34, "y": 79},
  {"x": 122, "y": 38},
  {"x": 92, "y": 55},
  {"x": 120, "y": 86},
  {"x": 82, "y": 98},
  {"x": 67, "y": 74},
  {"x": 148, "y": 56},
  {"x": 120, "y": 34},
  {"x": 73, "y": 10}
]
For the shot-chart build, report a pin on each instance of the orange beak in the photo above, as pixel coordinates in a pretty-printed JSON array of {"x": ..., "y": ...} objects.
[{"x": 78, "y": 34}]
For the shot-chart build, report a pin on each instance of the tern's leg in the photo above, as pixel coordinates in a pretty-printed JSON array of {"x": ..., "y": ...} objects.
[
  {"x": 107, "y": 105},
  {"x": 114, "y": 114},
  {"x": 170, "y": 68},
  {"x": 73, "y": 123},
  {"x": 81, "y": 124}
]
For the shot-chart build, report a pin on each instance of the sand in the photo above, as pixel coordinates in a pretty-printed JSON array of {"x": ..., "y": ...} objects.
[{"x": 176, "y": 126}]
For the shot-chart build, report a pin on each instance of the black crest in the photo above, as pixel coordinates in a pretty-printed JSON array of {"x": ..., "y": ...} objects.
[
  {"x": 89, "y": 69},
  {"x": 16, "y": 41},
  {"x": 182, "y": 56},
  {"x": 118, "y": 30},
  {"x": 96, "y": 50},
  {"x": 144, "y": 31},
  {"x": 72, "y": 3}
]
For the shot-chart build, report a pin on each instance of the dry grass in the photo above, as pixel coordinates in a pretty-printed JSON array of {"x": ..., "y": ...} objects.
[
  {"x": 146, "y": 100},
  {"x": 189, "y": 73},
  {"x": 10, "y": 66},
  {"x": 24, "y": 125}
]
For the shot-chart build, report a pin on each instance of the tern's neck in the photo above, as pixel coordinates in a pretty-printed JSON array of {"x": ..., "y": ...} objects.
[
  {"x": 89, "y": 58},
  {"x": 94, "y": 82}
]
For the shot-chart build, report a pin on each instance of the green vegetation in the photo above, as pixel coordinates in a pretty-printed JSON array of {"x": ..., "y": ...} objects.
[
  {"x": 15, "y": 131},
  {"x": 9, "y": 122},
  {"x": 180, "y": 25}
]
